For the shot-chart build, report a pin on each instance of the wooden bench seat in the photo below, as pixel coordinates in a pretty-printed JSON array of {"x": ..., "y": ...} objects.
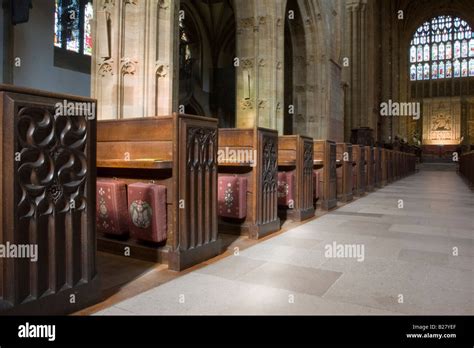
[
  {"x": 325, "y": 162},
  {"x": 252, "y": 153},
  {"x": 295, "y": 155},
  {"x": 180, "y": 153},
  {"x": 344, "y": 172}
]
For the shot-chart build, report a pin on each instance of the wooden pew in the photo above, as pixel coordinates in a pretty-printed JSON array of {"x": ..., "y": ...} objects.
[
  {"x": 369, "y": 168},
  {"x": 325, "y": 162},
  {"x": 384, "y": 166},
  {"x": 47, "y": 190},
  {"x": 412, "y": 163},
  {"x": 179, "y": 152},
  {"x": 295, "y": 152},
  {"x": 397, "y": 165},
  {"x": 358, "y": 153},
  {"x": 466, "y": 167},
  {"x": 378, "y": 166},
  {"x": 390, "y": 164},
  {"x": 344, "y": 172},
  {"x": 261, "y": 173}
]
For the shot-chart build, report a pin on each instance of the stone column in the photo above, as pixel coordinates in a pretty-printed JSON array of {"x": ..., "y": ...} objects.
[
  {"x": 135, "y": 57},
  {"x": 260, "y": 85}
]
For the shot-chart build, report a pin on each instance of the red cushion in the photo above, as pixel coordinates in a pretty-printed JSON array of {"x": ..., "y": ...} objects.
[
  {"x": 147, "y": 212},
  {"x": 112, "y": 217},
  {"x": 286, "y": 189},
  {"x": 232, "y": 196}
]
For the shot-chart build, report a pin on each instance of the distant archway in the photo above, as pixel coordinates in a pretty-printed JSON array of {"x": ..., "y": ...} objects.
[{"x": 207, "y": 52}]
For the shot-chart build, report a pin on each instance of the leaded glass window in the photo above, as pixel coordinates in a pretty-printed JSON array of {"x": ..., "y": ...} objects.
[
  {"x": 72, "y": 26},
  {"x": 440, "y": 49}
]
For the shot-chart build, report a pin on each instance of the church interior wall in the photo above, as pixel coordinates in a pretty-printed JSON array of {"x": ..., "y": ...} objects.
[{"x": 33, "y": 45}]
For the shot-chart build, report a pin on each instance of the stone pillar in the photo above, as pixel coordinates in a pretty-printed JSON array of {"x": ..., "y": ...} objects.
[
  {"x": 134, "y": 64},
  {"x": 260, "y": 49},
  {"x": 356, "y": 48}
]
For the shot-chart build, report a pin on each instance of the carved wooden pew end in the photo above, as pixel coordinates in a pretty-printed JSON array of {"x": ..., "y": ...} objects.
[{"x": 47, "y": 202}]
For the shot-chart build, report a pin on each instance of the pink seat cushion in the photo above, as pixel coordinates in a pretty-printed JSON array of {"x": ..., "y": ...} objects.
[
  {"x": 232, "y": 196},
  {"x": 112, "y": 217},
  {"x": 286, "y": 189},
  {"x": 147, "y": 212}
]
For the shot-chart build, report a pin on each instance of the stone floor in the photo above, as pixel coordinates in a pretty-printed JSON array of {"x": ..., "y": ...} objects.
[{"x": 418, "y": 240}]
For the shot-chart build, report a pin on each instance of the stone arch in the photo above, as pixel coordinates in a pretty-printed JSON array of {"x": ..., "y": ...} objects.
[{"x": 213, "y": 73}]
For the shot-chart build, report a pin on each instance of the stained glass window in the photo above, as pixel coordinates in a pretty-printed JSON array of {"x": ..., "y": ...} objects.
[
  {"x": 72, "y": 26},
  {"x": 449, "y": 69},
  {"x": 434, "y": 71},
  {"x": 464, "y": 68},
  {"x": 88, "y": 15},
  {"x": 439, "y": 49}
]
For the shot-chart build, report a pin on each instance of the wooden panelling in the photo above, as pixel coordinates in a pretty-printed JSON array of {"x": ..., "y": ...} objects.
[
  {"x": 369, "y": 169},
  {"x": 295, "y": 152},
  {"x": 325, "y": 161},
  {"x": 344, "y": 172},
  {"x": 358, "y": 152}
]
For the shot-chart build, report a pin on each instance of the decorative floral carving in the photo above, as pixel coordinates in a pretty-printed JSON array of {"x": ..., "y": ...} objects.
[
  {"x": 246, "y": 104},
  {"x": 105, "y": 68},
  {"x": 247, "y": 63},
  {"x": 162, "y": 70},
  {"x": 247, "y": 23},
  {"x": 107, "y": 4},
  {"x": 163, "y": 4},
  {"x": 53, "y": 166},
  {"x": 128, "y": 66}
]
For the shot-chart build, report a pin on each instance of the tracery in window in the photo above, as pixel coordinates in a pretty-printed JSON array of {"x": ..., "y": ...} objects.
[{"x": 442, "y": 48}]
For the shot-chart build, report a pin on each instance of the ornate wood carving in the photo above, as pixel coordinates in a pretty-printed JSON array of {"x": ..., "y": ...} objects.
[
  {"x": 267, "y": 210},
  {"x": 199, "y": 193},
  {"x": 49, "y": 203}
]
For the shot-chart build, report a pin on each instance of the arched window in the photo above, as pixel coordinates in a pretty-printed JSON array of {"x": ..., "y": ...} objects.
[
  {"x": 73, "y": 34},
  {"x": 442, "y": 48}
]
